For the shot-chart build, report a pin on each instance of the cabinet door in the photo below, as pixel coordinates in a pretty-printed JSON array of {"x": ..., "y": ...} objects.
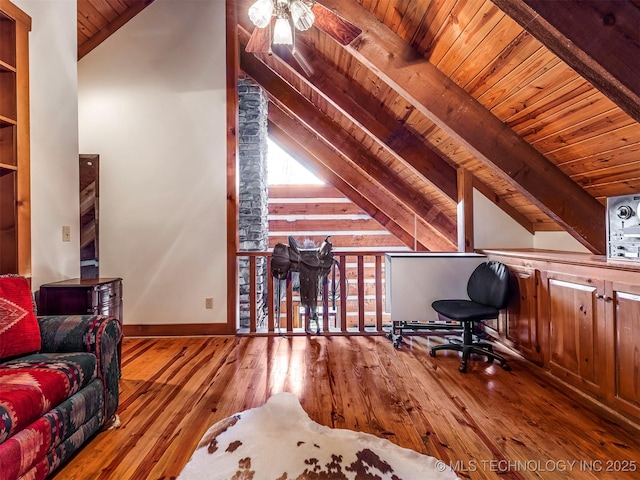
[
  {"x": 577, "y": 330},
  {"x": 623, "y": 304},
  {"x": 521, "y": 314}
]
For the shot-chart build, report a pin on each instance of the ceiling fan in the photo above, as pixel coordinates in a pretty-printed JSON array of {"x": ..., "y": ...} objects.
[{"x": 277, "y": 20}]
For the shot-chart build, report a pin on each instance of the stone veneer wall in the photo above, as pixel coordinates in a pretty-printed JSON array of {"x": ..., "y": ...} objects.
[{"x": 253, "y": 192}]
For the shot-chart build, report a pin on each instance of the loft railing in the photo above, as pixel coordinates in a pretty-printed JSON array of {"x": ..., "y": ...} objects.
[{"x": 351, "y": 301}]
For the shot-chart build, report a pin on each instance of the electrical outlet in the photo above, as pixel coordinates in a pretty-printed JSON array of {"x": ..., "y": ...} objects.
[
  {"x": 208, "y": 302},
  {"x": 66, "y": 233}
]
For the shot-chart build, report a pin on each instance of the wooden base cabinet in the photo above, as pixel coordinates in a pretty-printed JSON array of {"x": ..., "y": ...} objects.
[
  {"x": 579, "y": 316},
  {"x": 517, "y": 325},
  {"x": 623, "y": 359},
  {"x": 521, "y": 316},
  {"x": 577, "y": 330}
]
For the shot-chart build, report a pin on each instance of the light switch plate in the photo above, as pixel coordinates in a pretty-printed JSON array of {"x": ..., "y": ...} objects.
[{"x": 66, "y": 233}]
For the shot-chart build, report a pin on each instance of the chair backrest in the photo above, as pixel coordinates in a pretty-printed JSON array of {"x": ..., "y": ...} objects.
[{"x": 489, "y": 284}]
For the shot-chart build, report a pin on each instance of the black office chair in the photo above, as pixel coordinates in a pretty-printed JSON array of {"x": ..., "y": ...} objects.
[{"x": 488, "y": 290}]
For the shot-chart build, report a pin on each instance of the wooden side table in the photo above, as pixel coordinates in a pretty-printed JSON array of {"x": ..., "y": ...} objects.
[{"x": 83, "y": 296}]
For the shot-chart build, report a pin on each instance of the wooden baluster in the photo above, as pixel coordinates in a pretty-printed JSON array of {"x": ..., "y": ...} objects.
[
  {"x": 325, "y": 307},
  {"x": 378, "y": 281},
  {"x": 343, "y": 293},
  {"x": 289, "y": 306},
  {"x": 270, "y": 296},
  {"x": 253, "y": 281},
  {"x": 360, "y": 293}
]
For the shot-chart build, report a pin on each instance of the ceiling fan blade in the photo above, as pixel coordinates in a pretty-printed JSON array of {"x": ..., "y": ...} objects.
[
  {"x": 334, "y": 25},
  {"x": 260, "y": 41}
]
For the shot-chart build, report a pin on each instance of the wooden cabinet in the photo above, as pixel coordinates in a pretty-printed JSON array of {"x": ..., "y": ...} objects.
[
  {"x": 78, "y": 296},
  {"x": 583, "y": 318},
  {"x": 622, "y": 306},
  {"x": 574, "y": 308},
  {"x": 15, "y": 216},
  {"x": 517, "y": 325},
  {"x": 520, "y": 318}
]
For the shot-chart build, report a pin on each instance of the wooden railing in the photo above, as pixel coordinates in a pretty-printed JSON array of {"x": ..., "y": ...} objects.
[{"x": 351, "y": 301}]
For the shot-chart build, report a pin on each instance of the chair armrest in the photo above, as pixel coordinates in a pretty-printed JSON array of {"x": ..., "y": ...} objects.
[{"x": 97, "y": 334}]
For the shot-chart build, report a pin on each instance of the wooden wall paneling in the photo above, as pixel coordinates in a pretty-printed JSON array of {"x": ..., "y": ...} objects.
[
  {"x": 603, "y": 125},
  {"x": 568, "y": 97},
  {"x": 483, "y": 22},
  {"x": 534, "y": 88},
  {"x": 495, "y": 144},
  {"x": 491, "y": 50},
  {"x": 461, "y": 15},
  {"x": 583, "y": 166},
  {"x": 579, "y": 110},
  {"x": 596, "y": 39},
  {"x": 520, "y": 49}
]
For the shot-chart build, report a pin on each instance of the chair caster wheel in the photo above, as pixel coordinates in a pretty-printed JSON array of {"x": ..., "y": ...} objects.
[
  {"x": 462, "y": 368},
  {"x": 506, "y": 367},
  {"x": 396, "y": 342},
  {"x": 432, "y": 353}
]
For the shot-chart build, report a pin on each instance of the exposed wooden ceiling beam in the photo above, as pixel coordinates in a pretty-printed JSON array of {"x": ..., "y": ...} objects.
[
  {"x": 315, "y": 155},
  {"x": 362, "y": 109},
  {"x": 365, "y": 111},
  {"x": 298, "y": 106},
  {"x": 598, "y": 39},
  {"x": 477, "y": 129}
]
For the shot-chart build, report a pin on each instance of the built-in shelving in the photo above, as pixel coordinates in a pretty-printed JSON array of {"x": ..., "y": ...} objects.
[{"x": 15, "y": 216}]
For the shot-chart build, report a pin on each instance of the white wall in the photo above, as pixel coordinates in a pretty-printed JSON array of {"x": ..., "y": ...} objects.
[
  {"x": 152, "y": 104},
  {"x": 54, "y": 138},
  {"x": 557, "y": 241},
  {"x": 495, "y": 229}
]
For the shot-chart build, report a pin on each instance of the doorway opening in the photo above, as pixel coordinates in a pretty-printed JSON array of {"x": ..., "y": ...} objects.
[{"x": 89, "y": 202}]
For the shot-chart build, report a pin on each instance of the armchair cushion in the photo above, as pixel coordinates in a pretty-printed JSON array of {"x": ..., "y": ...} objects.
[
  {"x": 19, "y": 329},
  {"x": 31, "y": 385}
]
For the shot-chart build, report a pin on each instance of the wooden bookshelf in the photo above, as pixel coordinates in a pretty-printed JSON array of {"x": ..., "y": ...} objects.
[{"x": 15, "y": 205}]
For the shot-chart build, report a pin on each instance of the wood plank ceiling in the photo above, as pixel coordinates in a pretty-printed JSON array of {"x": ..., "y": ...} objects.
[{"x": 545, "y": 116}]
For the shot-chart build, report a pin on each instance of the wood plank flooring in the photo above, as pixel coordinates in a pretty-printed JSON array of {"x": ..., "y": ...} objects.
[{"x": 487, "y": 424}]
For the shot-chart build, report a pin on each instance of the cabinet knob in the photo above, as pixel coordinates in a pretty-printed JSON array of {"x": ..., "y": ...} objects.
[{"x": 599, "y": 296}]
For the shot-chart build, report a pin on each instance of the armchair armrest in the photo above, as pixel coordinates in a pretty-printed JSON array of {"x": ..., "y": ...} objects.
[{"x": 97, "y": 334}]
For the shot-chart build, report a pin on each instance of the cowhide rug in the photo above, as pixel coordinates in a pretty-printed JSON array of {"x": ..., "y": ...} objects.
[{"x": 278, "y": 441}]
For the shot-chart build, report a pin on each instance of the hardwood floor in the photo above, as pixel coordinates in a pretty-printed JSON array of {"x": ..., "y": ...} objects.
[{"x": 487, "y": 424}]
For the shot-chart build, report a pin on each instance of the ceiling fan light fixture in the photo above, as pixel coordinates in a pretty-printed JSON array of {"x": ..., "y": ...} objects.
[
  {"x": 301, "y": 15},
  {"x": 282, "y": 34},
  {"x": 260, "y": 13}
]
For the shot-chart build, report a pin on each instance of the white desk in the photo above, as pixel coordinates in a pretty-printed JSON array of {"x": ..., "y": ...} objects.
[{"x": 416, "y": 280}]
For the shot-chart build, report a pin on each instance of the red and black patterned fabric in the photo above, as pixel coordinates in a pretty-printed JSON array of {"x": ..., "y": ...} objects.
[
  {"x": 35, "y": 383},
  {"x": 19, "y": 330},
  {"x": 54, "y": 400}
]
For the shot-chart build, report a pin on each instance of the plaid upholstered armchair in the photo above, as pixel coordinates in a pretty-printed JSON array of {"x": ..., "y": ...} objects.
[{"x": 58, "y": 382}]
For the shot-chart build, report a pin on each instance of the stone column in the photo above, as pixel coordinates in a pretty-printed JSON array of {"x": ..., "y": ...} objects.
[{"x": 253, "y": 192}]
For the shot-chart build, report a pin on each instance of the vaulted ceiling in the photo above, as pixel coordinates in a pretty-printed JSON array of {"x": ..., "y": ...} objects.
[{"x": 534, "y": 103}]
